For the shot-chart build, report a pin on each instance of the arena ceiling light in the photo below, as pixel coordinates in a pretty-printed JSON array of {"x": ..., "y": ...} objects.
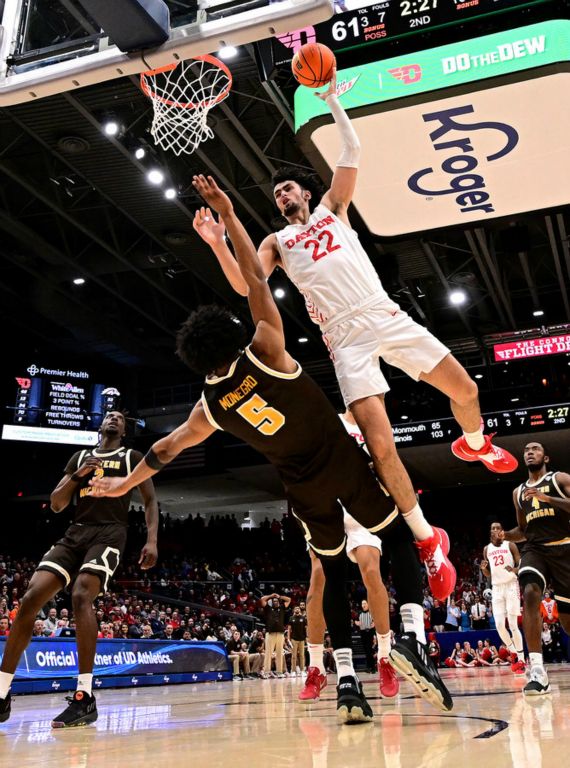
[
  {"x": 515, "y": 399},
  {"x": 538, "y": 313},
  {"x": 279, "y": 293},
  {"x": 457, "y": 297},
  {"x": 155, "y": 176},
  {"x": 404, "y": 418},
  {"x": 140, "y": 152},
  {"x": 111, "y": 127},
  {"x": 227, "y": 52},
  {"x": 478, "y": 375},
  {"x": 170, "y": 193},
  {"x": 78, "y": 281},
  {"x": 303, "y": 340}
]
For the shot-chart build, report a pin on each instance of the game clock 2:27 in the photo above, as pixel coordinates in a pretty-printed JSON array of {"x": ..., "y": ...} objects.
[{"x": 393, "y": 18}]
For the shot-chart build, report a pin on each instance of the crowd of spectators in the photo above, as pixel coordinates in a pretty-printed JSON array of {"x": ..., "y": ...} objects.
[{"x": 199, "y": 592}]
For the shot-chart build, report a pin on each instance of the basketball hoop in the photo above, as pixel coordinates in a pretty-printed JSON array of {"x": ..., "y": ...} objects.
[{"x": 182, "y": 95}]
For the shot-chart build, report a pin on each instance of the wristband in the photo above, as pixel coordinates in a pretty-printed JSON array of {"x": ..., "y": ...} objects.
[{"x": 152, "y": 461}]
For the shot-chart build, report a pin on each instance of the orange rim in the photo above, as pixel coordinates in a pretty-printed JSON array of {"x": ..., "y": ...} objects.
[{"x": 147, "y": 90}]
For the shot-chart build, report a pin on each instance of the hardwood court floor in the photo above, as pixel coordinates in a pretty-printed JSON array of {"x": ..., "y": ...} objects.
[{"x": 260, "y": 723}]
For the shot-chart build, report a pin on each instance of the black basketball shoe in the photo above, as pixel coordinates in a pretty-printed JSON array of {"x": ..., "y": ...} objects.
[
  {"x": 351, "y": 704},
  {"x": 5, "y": 708},
  {"x": 82, "y": 710},
  {"x": 538, "y": 683},
  {"x": 411, "y": 659}
]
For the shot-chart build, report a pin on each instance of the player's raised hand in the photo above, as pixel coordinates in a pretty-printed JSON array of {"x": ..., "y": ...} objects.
[
  {"x": 210, "y": 229},
  {"x": 330, "y": 90},
  {"x": 108, "y": 486},
  {"x": 484, "y": 565},
  {"x": 149, "y": 556},
  {"x": 212, "y": 194}
]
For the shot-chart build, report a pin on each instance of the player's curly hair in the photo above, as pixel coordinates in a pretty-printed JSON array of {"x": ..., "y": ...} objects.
[
  {"x": 304, "y": 179},
  {"x": 211, "y": 338}
]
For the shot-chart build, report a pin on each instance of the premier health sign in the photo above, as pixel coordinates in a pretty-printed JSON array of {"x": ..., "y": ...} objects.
[{"x": 462, "y": 158}]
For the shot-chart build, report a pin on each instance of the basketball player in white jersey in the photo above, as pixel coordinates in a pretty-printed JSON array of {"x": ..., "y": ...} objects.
[
  {"x": 321, "y": 254},
  {"x": 501, "y": 564}
]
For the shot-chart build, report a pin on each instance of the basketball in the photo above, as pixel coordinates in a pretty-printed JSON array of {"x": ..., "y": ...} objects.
[{"x": 313, "y": 65}]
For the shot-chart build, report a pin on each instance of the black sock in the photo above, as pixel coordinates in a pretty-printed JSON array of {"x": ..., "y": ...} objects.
[
  {"x": 336, "y": 606},
  {"x": 405, "y": 564}
]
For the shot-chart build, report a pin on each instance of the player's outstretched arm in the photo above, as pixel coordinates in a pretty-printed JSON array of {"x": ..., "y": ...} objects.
[
  {"x": 212, "y": 231},
  {"x": 269, "y": 339},
  {"x": 149, "y": 552},
  {"x": 192, "y": 432},
  {"x": 339, "y": 196}
]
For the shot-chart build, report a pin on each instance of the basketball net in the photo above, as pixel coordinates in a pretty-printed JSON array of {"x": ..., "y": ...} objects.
[{"x": 182, "y": 95}]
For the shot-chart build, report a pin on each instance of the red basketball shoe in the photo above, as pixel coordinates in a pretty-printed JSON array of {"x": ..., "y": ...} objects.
[
  {"x": 315, "y": 683},
  {"x": 389, "y": 683},
  {"x": 494, "y": 458},
  {"x": 441, "y": 573}
]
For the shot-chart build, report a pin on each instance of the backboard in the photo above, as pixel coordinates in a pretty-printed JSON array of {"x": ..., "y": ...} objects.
[{"x": 50, "y": 46}]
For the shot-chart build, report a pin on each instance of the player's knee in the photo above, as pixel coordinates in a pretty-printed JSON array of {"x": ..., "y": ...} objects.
[
  {"x": 81, "y": 596},
  {"x": 466, "y": 390},
  {"x": 370, "y": 573},
  {"x": 317, "y": 582},
  {"x": 532, "y": 595},
  {"x": 500, "y": 619},
  {"x": 31, "y": 603}
]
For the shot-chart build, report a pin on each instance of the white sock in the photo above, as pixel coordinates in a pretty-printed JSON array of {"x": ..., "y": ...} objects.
[
  {"x": 316, "y": 651},
  {"x": 412, "y": 616},
  {"x": 85, "y": 683},
  {"x": 418, "y": 524},
  {"x": 536, "y": 660},
  {"x": 5, "y": 683},
  {"x": 384, "y": 645},
  {"x": 475, "y": 440},
  {"x": 344, "y": 666}
]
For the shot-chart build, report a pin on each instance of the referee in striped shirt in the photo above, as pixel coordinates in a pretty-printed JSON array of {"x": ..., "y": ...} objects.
[{"x": 367, "y": 630}]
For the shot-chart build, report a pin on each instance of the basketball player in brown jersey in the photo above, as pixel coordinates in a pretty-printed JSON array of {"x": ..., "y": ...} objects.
[
  {"x": 321, "y": 254},
  {"x": 88, "y": 554},
  {"x": 258, "y": 393},
  {"x": 542, "y": 505}
]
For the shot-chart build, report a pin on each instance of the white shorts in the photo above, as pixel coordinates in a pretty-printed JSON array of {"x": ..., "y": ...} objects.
[
  {"x": 382, "y": 331},
  {"x": 506, "y": 599},
  {"x": 358, "y": 536}
]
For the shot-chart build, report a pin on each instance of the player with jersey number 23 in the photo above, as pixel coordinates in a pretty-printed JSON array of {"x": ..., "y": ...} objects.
[{"x": 501, "y": 563}]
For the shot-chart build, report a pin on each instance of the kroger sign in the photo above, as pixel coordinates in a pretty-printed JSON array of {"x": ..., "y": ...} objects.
[{"x": 456, "y": 141}]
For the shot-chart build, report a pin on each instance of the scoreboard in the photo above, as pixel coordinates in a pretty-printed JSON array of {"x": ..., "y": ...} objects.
[
  {"x": 58, "y": 405},
  {"x": 515, "y": 422},
  {"x": 358, "y": 23}
]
